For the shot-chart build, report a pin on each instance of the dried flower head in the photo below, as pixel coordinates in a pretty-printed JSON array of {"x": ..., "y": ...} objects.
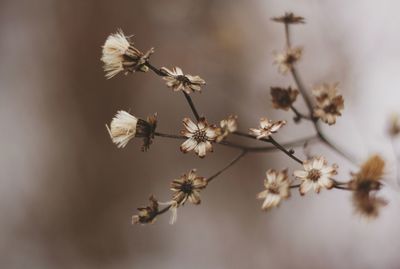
[
  {"x": 227, "y": 126},
  {"x": 147, "y": 214},
  {"x": 176, "y": 80},
  {"x": 188, "y": 187},
  {"x": 120, "y": 55},
  {"x": 277, "y": 187},
  {"x": 124, "y": 127},
  {"x": 287, "y": 59},
  {"x": 394, "y": 129},
  {"x": 289, "y": 18},
  {"x": 316, "y": 175},
  {"x": 267, "y": 127},
  {"x": 199, "y": 136},
  {"x": 283, "y": 98},
  {"x": 365, "y": 184},
  {"x": 329, "y": 103}
]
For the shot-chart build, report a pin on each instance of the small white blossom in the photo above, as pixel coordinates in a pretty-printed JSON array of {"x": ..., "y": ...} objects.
[
  {"x": 178, "y": 81},
  {"x": 199, "y": 136},
  {"x": 316, "y": 175},
  {"x": 267, "y": 127},
  {"x": 277, "y": 187}
]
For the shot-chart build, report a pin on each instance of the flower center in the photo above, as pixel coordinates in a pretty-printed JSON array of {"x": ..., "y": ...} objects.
[
  {"x": 273, "y": 188},
  {"x": 186, "y": 187},
  {"x": 314, "y": 174},
  {"x": 183, "y": 79},
  {"x": 200, "y": 136},
  {"x": 331, "y": 109}
]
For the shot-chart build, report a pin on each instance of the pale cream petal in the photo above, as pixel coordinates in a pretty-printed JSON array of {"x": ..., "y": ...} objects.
[
  {"x": 190, "y": 125},
  {"x": 188, "y": 145}
]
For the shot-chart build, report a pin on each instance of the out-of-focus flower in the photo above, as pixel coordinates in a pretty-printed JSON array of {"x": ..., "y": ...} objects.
[
  {"x": 267, "y": 127},
  {"x": 188, "y": 187},
  {"x": 329, "y": 103},
  {"x": 394, "y": 129},
  {"x": 147, "y": 214},
  {"x": 287, "y": 59},
  {"x": 289, "y": 18},
  {"x": 316, "y": 175},
  {"x": 228, "y": 126},
  {"x": 283, "y": 98},
  {"x": 124, "y": 127},
  {"x": 120, "y": 55},
  {"x": 199, "y": 136},
  {"x": 277, "y": 187},
  {"x": 365, "y": 185},
  {"x": 176, "y": 80}
]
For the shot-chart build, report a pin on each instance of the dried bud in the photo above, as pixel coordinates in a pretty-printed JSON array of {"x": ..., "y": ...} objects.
[
  {"x": 147, "y": 214},
  {"x": 365, "y": 184},
  {"x": 283, "y": 98},
  {"x": 228, "y": 126},
  {"x": 394, "y": 129},
  {"x": 289, "y": 18}
]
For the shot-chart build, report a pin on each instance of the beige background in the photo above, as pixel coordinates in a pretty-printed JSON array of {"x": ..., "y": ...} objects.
[{"x": 67, "y": 194}]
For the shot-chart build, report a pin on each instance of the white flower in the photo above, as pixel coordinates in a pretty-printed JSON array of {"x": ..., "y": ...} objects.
[
  {"x": 228, "y": 126},
  {"x": 120, "y": 55},
  {"x": 176, "y": 80},
  {"x": 199, "y": 136},
  {"x": 316, "y": 175},
  {"x": 277, "y": 187},
  {"x": 267, "y": 127},
  {"x": 287, "y": 59},
  {"x": 122, "y": 128}
]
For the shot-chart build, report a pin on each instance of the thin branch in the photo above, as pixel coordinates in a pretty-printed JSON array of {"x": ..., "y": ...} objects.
[
  {"x": 290, "y": 152},
  {"x": 236, "y": 159},
  {"x": 309, "y": 105},
  {"x": 191, "y": 104}
]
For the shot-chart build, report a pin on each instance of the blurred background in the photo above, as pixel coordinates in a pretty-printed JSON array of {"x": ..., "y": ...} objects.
[{"x": 67, "y": 193}]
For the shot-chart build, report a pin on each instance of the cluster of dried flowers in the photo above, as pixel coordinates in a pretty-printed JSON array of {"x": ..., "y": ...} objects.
[{"x": 324, "y": 106}]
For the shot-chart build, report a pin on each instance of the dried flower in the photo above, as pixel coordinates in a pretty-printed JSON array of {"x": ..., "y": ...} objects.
[
  {"x": 120, "y": 55},
  {"x": 287, "y": 59},
  {"x": 199, "y": 136},
  {"x": 394, "y": 129},
  {"x": 316, "y": 175},
  {"x": 267, "y": 127},
  {"x": 283, "y": 98},
  {"x": 365, "y": 184},
  {"x": 289, "y": 18},
  {"x": 228, "y": 126},
  {"x": 329, "y": 103},
  {"x": 147, "y": 214},
  {"x": 188, "y": 187},
  {"x": 277, "y": 187},
  {"x": 179, "y": 82},
  {"x": 124, "y": 127}
]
